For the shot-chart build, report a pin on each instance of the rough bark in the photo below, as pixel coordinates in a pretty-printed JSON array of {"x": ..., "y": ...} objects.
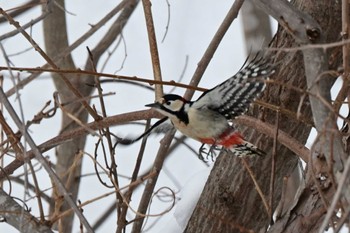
[{"x": 230, "y": 202}]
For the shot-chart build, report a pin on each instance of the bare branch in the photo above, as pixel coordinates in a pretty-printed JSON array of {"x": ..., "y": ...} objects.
[
  {"x": 50, "y": 61},
  {"x": 42, "y": 160},
  {"x": 153, "y": 47},
  {"x": 151, "y": 183},
  {"x": 113, "y": 32},
  {"x": 19, "y": 218},
  {"x": 299, "y": 24},
  {"x": 307, "y": 31},
  {"x": 25, "y": 26},
  {"x": 73, "y": 46},
  {"x": 21, "y": 9},
  {"x": 282, "y": 137},
  {"x": 69, "y": 135},
  {"x": 87, "y": 72}
]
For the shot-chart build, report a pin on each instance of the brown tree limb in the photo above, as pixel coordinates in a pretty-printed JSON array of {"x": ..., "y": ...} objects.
[
  {"x": 151, "y": 183},
  {"x": 79, "y": 132},
  {"x": 19, "y": 218},
  {"x": 99, "y": 74},
  {"x": 153, "y": 47},
  {"x": 166, "y": 141},
  {"x": 270, "y": 130},
  {"x": 125, "y": 118}
]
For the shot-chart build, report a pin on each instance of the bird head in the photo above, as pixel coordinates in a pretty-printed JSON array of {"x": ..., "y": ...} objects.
[{"x": 169, "y": 105}]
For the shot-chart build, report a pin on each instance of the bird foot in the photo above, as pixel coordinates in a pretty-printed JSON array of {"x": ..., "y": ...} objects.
[{"x": 204, "y": 154}]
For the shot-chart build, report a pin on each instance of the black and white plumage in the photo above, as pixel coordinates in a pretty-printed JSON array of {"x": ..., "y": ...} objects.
[
  {"x": 206, "y": 119},
  {"x": 233, "y": 97}
]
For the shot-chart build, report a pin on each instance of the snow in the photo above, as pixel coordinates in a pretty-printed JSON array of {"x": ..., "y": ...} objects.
[{"x": 190, "y": 194}]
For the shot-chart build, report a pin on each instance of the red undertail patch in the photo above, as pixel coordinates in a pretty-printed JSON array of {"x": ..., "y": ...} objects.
[{"x": 227, "y": 139}]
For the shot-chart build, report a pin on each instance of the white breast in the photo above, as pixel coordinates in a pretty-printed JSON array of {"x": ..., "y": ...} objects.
[{"x": 202, "y": 124}]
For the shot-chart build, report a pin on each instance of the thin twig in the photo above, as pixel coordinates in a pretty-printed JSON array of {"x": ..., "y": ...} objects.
[
  {"x": 24, "y": 26},
  {"x": 153, "y": 47},
  {"x": 148, "y": 192},
  {"x": 113, "y": 165},
  {"x": 43, "y": 161},
  {"x": 112, "y": 33},
  {"x": 50, "y": 61},
  {"x": 311, "y": 46},
  {"x": 337, "y": 195},
  {"x": 257, "y": 187},
  {"x": 122, "y": 217},
  {"x": 182, "y": 75},
  {"x": 273, "y": 166},
  {"x": 84, "y": 72},
  {"x": 168, "y": 21},
  {"x": 74, "y": 45},
  {"x": 345, "y": 35},
  {"x": 37, "y": 192}
]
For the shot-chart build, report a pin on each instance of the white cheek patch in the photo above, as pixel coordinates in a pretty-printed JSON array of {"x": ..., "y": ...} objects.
[{"x": 176, "y": 105}]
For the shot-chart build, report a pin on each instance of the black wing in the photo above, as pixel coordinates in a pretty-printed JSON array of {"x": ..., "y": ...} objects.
[{"x": 233, "y": 97}]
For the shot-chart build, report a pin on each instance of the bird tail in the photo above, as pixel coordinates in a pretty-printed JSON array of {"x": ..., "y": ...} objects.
[{"x": 246, "y": 149}]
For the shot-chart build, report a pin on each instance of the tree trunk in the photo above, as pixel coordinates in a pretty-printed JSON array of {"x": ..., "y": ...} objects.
[
  {"x": 230, "y": 202},
  {"x": 68, "y": 168}
]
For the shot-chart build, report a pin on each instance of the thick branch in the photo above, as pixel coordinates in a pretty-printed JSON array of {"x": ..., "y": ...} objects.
[
  {"x": 19, "y": 218},
  {"x": 299, "y": 24},
  {"x": 307, "y": 31}
]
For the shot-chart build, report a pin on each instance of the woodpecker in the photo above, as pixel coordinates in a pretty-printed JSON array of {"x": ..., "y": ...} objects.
[{"x": 207, "y": 119}]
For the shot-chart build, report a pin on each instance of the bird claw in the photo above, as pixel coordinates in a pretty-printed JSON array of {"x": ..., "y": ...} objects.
[{"x": 204, "y": 155}]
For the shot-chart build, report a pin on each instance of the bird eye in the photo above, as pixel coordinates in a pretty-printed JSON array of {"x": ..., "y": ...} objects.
[{"x": 168, "y": 103}]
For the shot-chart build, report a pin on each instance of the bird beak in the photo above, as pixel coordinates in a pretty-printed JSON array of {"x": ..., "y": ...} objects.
[{"x": 154, "y": 105}]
